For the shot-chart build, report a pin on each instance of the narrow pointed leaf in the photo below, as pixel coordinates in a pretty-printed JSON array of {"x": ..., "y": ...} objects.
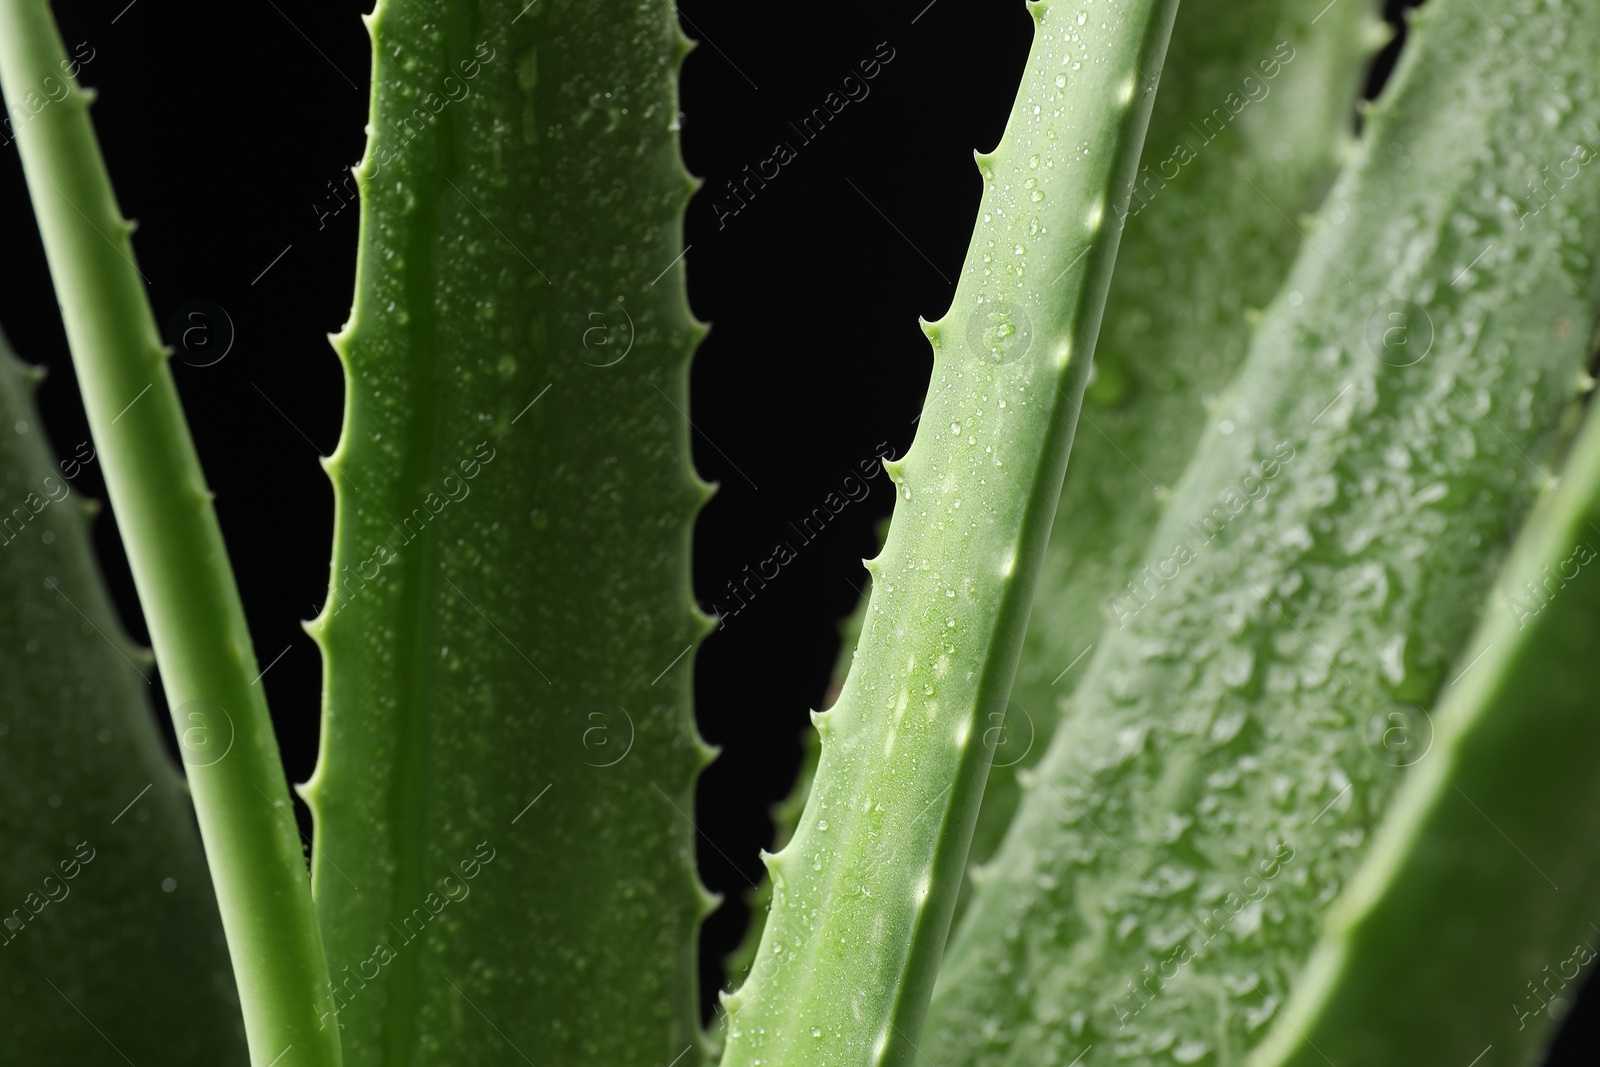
[
  {"x": 862, "y": 895},
  {"x": 504, "y": 865}
]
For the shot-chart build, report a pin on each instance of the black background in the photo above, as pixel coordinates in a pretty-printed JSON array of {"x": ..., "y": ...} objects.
[{"x": 223, "y": 126}]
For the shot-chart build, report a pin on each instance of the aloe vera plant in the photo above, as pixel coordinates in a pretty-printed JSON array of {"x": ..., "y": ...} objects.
[{"x": 1308, "y": 572}]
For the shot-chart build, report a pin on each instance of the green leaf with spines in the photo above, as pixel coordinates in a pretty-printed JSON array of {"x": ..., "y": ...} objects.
[
  {"x": 510, "y": 630},
  {"x": 1238, "y": 741},
  {"x": 1202, "y": 248},
  {"x": 862, "y": 895}
]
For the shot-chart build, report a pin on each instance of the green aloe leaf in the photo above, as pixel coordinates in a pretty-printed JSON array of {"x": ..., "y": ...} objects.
[
  {"x": 505, "y": 858},
  {"x": 862, "y": 895},
  {"x": 1313, "y": 585},
  {"x": 103, "y": 875},
  {"x": 175, "y": 550},
  {"x": 1247, "y": 135}
]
